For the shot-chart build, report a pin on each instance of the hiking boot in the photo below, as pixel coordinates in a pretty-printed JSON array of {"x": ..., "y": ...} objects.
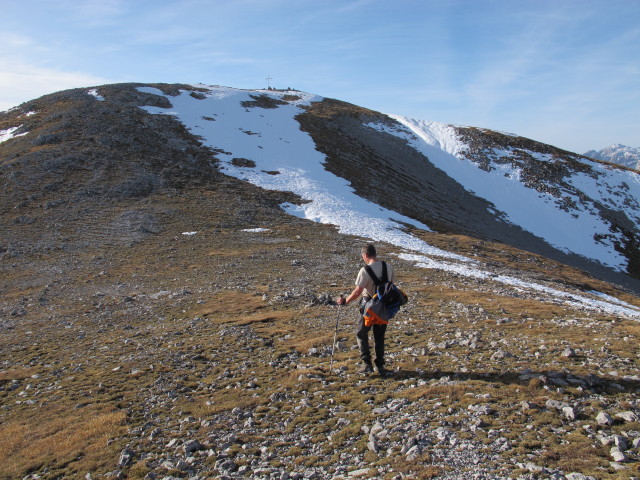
[
  {"x": 383, "y": 372},
  {"x": 366, "y": 368}
]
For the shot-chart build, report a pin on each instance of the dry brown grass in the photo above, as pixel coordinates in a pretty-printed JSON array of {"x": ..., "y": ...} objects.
[
  {"x": 578, "y": 455},
  {"x": 17, "y": 374},
  {"x": 64, "y": 441}
]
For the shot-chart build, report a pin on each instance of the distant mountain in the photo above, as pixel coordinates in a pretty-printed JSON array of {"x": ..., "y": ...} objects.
[
  {"x": 372, "y": 175},
  {"x": 620, "y": 154}
]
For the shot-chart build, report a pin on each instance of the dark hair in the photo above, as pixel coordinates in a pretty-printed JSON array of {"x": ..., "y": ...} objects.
[{"x": 369, "y": 250}]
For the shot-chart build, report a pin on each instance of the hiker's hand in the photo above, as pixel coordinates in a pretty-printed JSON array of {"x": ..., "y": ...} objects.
[{"x": 341, "y": 300}]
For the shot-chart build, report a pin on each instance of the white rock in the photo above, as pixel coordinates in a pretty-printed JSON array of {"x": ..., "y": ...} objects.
[
  {"x": 359, "y": 473},
  {"x": 532, "y": 467},
  {"x": 620, "y": 442},
  {"x": 618, "y": 456},
  {"x": 500, "y": 355},
  {"x": 526, "y": 405},
  {"x": 482, "y": 409},
  {"x": 628, "y": 416},
  {"x": 555, "y": 404},
  {"x": 413, "y": 453},
  {"x": 191, "y": 446},
  {"x": 377, "y": 427},
  {"x": 604, "y": 440},
  {"x": 619, "y": 466},
  {"x": 579, "y": 476},
  {"x": 604, "y": 418},
  {"x": 373, "y": 445},
  {"x": 569, "y": 413},
  {"x": 126, "y": 457}
]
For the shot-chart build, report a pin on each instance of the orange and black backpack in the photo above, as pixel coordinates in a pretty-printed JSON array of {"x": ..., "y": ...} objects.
[{"x": 387, "y": 300}]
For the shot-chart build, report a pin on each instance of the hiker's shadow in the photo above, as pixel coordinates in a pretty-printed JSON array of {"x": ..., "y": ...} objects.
[{"x": 551, "y": 378}]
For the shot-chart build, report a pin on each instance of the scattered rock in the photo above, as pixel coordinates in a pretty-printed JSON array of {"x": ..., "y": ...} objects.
[
  {"x": 604, "y": 418},
  {"x": 483, "y": 409},
  {"x": 618, "y": 455},
  {"x": 555, "y": 404},
  {"x": 569, "y": 413},
  {"x": 500, "y": 355},
  {"x": 628, "y": 416},
  {"x": 191, "y": 446},
  {"x": 579, "y": 476},
  {"x": 126, "y": 457},
  {"x": 620, "y": 442}
]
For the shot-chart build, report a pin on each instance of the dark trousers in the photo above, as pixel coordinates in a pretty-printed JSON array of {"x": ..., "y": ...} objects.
[{"x": 362, "y": 335}]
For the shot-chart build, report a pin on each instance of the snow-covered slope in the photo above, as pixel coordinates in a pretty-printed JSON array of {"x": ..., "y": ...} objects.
[
  {"x": 266, "y": 147},
  {"x": 571, "y": 212},
  {"x": 257, "y": 138},
  {"x": 620, "y": 154},
  {"x": 570, "y": 220}
]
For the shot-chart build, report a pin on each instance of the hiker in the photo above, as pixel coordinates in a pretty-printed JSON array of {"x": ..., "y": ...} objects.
[{"x": 366, "y": 286}]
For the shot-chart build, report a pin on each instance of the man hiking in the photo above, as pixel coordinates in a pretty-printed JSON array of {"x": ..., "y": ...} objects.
[{"x": 366, "y": 286}]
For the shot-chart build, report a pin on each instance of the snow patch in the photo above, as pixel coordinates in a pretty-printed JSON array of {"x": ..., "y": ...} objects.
[
  {"x": 94, "y": 93},
  {"x": 9, "y": 133},
  {"x": 602, "y": 302}
]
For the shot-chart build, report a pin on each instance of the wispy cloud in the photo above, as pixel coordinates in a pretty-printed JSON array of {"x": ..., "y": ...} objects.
[
  {"x": 517, "y": 66},
  {"x": 22, "y": 82},
  {"x": 91, "y": 13},
  {"x": 549, "y": 74}
]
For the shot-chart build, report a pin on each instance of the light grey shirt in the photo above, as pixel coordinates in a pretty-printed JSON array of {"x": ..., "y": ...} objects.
[{"x": 365, "y": 281}]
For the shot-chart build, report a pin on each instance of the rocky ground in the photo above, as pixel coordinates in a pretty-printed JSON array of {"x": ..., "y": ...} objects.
[
  {"x": 159, "y": 323},
  {"x": 207, "y": 355}
]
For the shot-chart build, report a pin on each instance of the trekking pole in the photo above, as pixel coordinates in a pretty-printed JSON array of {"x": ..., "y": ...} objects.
[{"x": 335, "y": 334}]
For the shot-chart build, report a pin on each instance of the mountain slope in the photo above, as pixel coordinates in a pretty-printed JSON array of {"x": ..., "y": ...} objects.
[
  {"x": 327, "y": 159},
  {"x": 491, "y": 185}
]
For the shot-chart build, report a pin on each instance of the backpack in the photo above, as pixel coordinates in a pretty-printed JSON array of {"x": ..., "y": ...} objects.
[{"x": 386, "y": 302}]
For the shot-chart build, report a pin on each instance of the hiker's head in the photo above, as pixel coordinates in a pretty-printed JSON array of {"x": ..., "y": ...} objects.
[{"x": 369, "y": 251}]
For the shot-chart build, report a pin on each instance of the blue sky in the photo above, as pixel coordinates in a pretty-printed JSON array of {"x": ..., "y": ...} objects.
[{"x": 565, "y": 72}]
